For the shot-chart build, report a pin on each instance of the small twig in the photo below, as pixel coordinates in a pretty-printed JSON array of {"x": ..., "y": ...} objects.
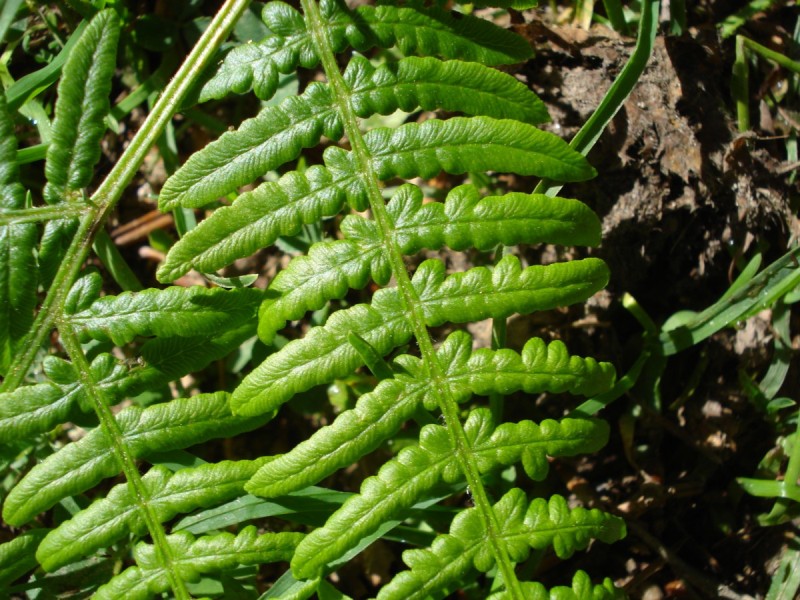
[{"x": 141, "y": 227}]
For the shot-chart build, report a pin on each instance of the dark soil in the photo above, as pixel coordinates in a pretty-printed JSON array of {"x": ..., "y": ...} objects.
[{"x": 683, "y": 197}]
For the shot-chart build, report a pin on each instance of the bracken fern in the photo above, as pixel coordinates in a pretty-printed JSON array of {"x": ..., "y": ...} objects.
[{"x": 180, "y": 330}]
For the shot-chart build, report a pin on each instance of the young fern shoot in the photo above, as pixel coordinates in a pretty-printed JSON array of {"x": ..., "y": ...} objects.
[{"x": 439, "y": 60}]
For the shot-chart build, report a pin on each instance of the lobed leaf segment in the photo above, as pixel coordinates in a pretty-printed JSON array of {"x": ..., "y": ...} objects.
[{"x": 438, "y": 60}]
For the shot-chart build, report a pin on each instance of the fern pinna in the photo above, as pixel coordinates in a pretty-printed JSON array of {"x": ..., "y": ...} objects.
[{"x": 445, "y": 62}]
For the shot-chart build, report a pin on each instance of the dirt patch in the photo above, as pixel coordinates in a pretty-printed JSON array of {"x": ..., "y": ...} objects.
[{"x": 683, "y": 198}]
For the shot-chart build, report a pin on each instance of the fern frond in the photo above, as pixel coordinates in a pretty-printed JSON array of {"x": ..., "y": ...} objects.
[
  {"x": 167, "y": 359},
  {"x": 176, "y": 311},
  {"x": 380, "y": 413},
  {"x": 399, "y": 484},
  {"x": 35, "y": 409},
  {"x": 117, "y": 515},
  {"x": 332, "y": 268},
  {"x": 279, "y": 133},
  {"x": 438, "y": 32},
  {"x": 81, "y": 465},
  {"x": 464, "y": 144},
  {"x": 18, "y": 280},
  {"x": 466, "y": 220},
  {"x": 376, "y": 417},
  {"x": 261, "y": 144},
  {"x": 83, "y": 292},
  {"x": 194, "y": 557},
  {"x": 259, "y": 217},
  {"x": 256, "y": 66},
  {"x": 537, "y": 525},
  {"x": 413, "y": 29},
  {"x": 428, "y": 83},
  {"x": 327, "y": 272},
  {"x": 506, "y": 289},
  {"x": 56, "y": 238},
  {"x": 402, "y": 482},
  {"x": 540, "y": 367},
  {"x": 582, "y": 589},
  {"x": 325, "y": 353},
  {"x": 83, "y": 103},
  {"x": 18, "y": 556}
]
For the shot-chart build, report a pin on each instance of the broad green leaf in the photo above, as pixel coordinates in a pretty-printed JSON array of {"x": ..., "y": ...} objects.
[
  {"x": 413, "y": 29},
  {"x": 193, "y": 557},
  {"x": 175, "y": 311},
  {"x": 18, "y": 272},
  {"x": 18, "y": 556},
  {"x": 83, "y": 464},
  {"x": 310, "y": 506},
  {"x": 538, "y": 525},
  {"x": 119, "y": 514},
  {"x": 35, "y": 409},
  {"x": 403, "y": 481},
  {"x": 8, "y": 13},
  {"x": 325, "y": 353},
  {"x": 83, "y": 103}
]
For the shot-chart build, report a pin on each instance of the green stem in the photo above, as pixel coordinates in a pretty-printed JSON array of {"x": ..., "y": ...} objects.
[
  {"x": 616, "y": 16},
  {"x": 740, "y": 86},
  {"x": 619, "y": 91},
  {"x": 126, "y": 460},
  {"x": 777, "y": 57},
  {"x": 109, "y": 192},
  {"x": 499, "y": 334},
  {"x": 449, "y": 407},
  {"x": 108, "y": 253},
  {"x": 38, "y": 214}
]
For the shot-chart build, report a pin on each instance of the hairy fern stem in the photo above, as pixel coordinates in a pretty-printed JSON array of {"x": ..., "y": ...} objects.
[
  {"x": 444, "y": 399},
  {"x": 126, "y": 461},
  {"x": 38, "y": 214}
]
